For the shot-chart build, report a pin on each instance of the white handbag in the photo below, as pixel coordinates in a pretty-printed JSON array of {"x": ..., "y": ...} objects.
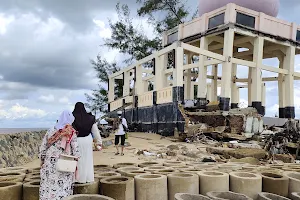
[{"x": 66, "y": 163}]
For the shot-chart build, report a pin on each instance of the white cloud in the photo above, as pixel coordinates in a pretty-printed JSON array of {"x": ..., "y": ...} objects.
[
  {"x": 4, "y": 22},
  {"x": 18, "y": 111},
  {"x": 104, "y": 31},
  {"x": 47, "y": 99},
  {"x": 64, "y": 100}
]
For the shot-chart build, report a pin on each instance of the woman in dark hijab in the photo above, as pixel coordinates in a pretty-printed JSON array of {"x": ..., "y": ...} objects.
[{"x": 85, "y": 124}]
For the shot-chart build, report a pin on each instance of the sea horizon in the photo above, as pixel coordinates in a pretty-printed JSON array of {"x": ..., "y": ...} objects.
[{"x": 19, "y": 130}]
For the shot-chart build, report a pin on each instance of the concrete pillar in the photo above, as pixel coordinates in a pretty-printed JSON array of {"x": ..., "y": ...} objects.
[
  {"x": 126, "y": 85},
  {"x": 209, "y": 92},
  {"x": 288, "y": 64},
  {"x": 178, "y": 71},
  {"x": 139, "y": 87},
  {"x": 281, "y": 92},
  {"x": 160, "y": 79},
  {"x": 256, "y": 74},
  {"x": 234, "y": 88},
  {"x": 187, "y": 80},
  {"x": 226, "y": 70},
  {"x": 249, "y": 86},
  {"x": 111, "y": 89},
  {"x": 146, "y": 85},
  {"x": 263, "y": 98},
  {"x": 202, "y": 75},
  {"x": 214, "y": 83}
]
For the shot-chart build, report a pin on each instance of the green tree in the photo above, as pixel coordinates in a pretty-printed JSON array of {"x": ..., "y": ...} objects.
[{"x": 131, "y": 41}]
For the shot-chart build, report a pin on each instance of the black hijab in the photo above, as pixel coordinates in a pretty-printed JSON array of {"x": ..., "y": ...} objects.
[{"x": 83, "y": 121}]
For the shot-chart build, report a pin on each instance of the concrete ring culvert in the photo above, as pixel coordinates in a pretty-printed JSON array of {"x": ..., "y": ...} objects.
[
  {"x": 156, "y": 168},
  {"x": 123, "y": 170},
  {"x": 102, "y": 166},
  {"x": 31, "y": 190},
  {"x": 294, "y": 182},
  {"x": 275, "y": 183},
  {"x": 213, "y": 181},
  {"x": 15, "y": 169},
  {"x": 276, "y": 166},
  {"x": 32, "y": 179},
  {"x": 253, "y": 167},
  {"x": 34, "y": 170},
  {"x": 12, "y": 176},
  {"x": 102, "y": 175},
  {"x": 295, "y": 196},
  {"x": 184, "y": 196},
  {"x": 165, "y": 171},
  {"x": 206, "y": 167},
  {"x": 182, "y": 183},
  {"x": 148, "y": 164},
  {"x": 135, "y": 173},
  {"x": 194, "y": 171},
  {"x": 246, "y": 183},
  {"x": 174, "y": 163},
  {"x": 154, "y": 186},
  {"x": 33, "y": 174},
  {"x": 119, "y": 165},
  {"x": 227, "y": 195},
  {"x": 88, "y": 197},
  {"x": 87, "y": 188},
  {"x": 120, "y": 188},
  {"x": 232, "y": 167},
  {"x": 270, "y": 196},
  {"x": 179, "y": 168},
  {"x": 100, "y": 170},
  {"x": 11, "y": 191}
]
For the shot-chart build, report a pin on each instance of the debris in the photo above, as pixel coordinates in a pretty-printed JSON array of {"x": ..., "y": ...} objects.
[
  {"x": 173, "y": 147},
  {"x": 208, "y": 159},
  {"x": 249, "y": 160},
  {"x": 286, "y": 158},
  {"x": 171, "y": 153}
]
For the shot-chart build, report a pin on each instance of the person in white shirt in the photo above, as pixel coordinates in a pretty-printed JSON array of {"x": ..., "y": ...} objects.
[{"x": 120, "y": 133}]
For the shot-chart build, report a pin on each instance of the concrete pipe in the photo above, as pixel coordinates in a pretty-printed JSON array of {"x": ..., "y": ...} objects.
[
  {"x": 294, "y": 182},
  {"x": 148, "y": 164},
  {"x": 276, "y": 166},
  {"x": 232, "y": 167},
  {"x": 182, "y": 183},
  {"x": 119, "y": 188},
  {"x": 15, "y": 169},
  {"x": 87, "y": 188},
  {"x": 102, "y": 175},
  {"x": 152, "y": 186},
  {"x": 31, "y": 191},
  {"x": 135, "y": 173},
  {"x": 179, "y": 168},
  {"x": 33, "y": 174},
  {"x": 165, "y": 171},
  {"x": 174, "y": 163},
  {"x": 202, "y": 163},
  {"x": 34, "y": 170},
  {"x": 275, "y": 183},
  {"x": 12, "y": 176},
  {"x": 102, "y": 166},
  {"x": 213, "y": 181},
  {"x": 156, "y": 168},
  {"x": 119, "y": 165},
  {"x": 11, "y": 191},
  {"x": 291, "y": 169},
  {"x": 295, "y": 196},
  {"x": 32, "y": 179},
  {"x": 246, "y": 183},
  {"x": 227, "y": 195},
  {"x": 270, "y": 196},
  {"x": 194, "y": 171},
  {"x": 123, "y": 170},
  {"x": 87, "y": 197},
  {"x": 184, "y": 196},
  {"x": 206, "y": 167},
  {"x": 253, "y": 167}
]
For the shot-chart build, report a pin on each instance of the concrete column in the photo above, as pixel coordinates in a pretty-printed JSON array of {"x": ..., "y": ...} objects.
[
  {"x": 281, "y": 92},
  {"x": 288, "y": 64},
  {"x": 126, "y": 86},
  {"x": 139, "y": 87},
  {"x": 226, "y": 70},
  {"x": 111, "y": 90},
  {"x": 257, "y": 74},
  {"x": 209, "y": 92},
  {"x": 202, "y": 84},
  {"x": 178, "y": 71},
  {"x": 160, "y": 79},
  {"x": 263, "y": 98},
  {"x": 214, "y": 83},
  {"x": 234, "y": 88},
  {"x": 146, "y": 85},
  {"x": 187, "y": 80},
  {"x": 249, "y": 86}
]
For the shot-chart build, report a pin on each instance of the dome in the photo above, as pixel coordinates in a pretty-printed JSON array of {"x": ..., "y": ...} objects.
[{"x": 269, "y": 7}]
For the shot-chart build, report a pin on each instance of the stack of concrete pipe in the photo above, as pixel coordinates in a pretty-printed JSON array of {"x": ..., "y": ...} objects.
[
  {"x": 294, "y": 182},
  {"x": 119, "y": 188}
]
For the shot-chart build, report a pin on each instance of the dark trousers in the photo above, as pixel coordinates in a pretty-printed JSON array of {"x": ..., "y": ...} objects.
[{"x": 117, "y": 139}]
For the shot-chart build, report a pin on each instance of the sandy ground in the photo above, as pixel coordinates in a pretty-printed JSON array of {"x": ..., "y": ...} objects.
[{"x": 138, "y": 141}]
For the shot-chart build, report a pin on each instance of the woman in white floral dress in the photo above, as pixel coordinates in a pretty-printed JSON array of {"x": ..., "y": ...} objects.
[{"x": 62, "y": 139}]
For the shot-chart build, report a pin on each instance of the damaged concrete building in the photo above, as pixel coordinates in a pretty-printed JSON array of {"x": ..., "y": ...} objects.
[{"x": 227, "y": 34}]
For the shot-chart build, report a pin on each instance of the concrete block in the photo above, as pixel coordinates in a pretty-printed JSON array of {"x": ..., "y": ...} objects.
[
  {"x": 119, "y": 165},
  {"x": 156, "y": 168},
  {"x": 31, "y": 191},
  {"x": 165, "y": 171},
  {"x": 270, "y": 196},
  {"x": 148, "y": 164},
  {"x": 246, "y": 183},
  {"x": 119, "y": 188},
  {"x": 11, "y": 191},
  {"x": 135, "y": 173},
  {"x": 102, "y": 175},
  {"x": 123, "y": 170},
  {"x": 213, "y": 181},
  {"x": 174, "y": 163},
  {"x": 184, "y": 196},
  {"x": 294, "y": 182},
  {"x": 12, "y": 176},
  {"x": 32, "y": 179},
  {"x": 87, "y": 188},
  {"x": 87, "y": 197},
  {"x": 15, "y": 169},
  {"x": 152, "y": 186},
  {"x": 275, "y": 183},
  {"x": 227, "y": 195},
  {"x": 295, "y": 196},
  {"x": 182, "y": 183}
]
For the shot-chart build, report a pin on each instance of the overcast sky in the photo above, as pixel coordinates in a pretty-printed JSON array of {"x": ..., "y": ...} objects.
[{"x": 45, "y": 48}]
